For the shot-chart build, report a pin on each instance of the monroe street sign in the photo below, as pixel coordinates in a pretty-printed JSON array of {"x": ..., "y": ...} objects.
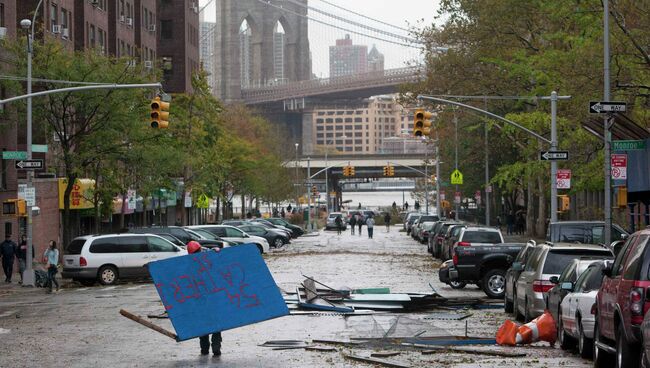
[
  {"x": 603, "y": 107},
  {"x": 628, "y": 145},
  {"x": 553, "y": 155}
]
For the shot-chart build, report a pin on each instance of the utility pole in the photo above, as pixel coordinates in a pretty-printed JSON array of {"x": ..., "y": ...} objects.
[
  {"x": 308, "y": 193},
  {"x": 438, "y": 203},
  {"x": 426, "y": 184},
  {"x": 487, "y": 172},
  {"x": 456, "y": 165},
  {"x": 607, "y": 134},
  {"x": 553, "y": 163}
]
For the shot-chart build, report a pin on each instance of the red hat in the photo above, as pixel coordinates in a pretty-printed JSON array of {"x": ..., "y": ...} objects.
[{"x": 193, "y": 247}]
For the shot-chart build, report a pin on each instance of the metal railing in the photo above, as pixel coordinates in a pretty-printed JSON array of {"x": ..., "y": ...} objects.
[{"x": 321, "y": 86}]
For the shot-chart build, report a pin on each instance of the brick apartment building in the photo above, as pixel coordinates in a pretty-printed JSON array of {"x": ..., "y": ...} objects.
[{"x": 122, "y": 28}]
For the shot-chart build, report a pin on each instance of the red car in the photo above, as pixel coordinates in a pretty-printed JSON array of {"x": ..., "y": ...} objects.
[{"x": 621, "y": 303}]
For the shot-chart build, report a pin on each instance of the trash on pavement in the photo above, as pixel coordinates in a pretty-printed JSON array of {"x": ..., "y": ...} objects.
[{"x": 541, "y": 328}]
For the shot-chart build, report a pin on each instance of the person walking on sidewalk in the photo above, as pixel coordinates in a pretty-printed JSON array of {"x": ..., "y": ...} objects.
[
  {"x": 22, "y": 255},
  {"x": 204, "y": 341},
  {"x": 360, "y": 222},
  {"x": 339, "y": 224},
  {"x": 353, "y": 222},
  {"x": 387, "y": 221},
  {"x": 52, "y": 257},
  {"x": 370, "y": 223},
  {"x": 8, "y": 252}
]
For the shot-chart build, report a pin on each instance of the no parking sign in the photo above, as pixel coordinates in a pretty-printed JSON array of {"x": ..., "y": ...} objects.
[{"x": 619, "y": 166}]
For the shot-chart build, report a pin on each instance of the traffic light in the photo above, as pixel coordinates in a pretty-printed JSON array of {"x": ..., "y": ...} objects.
[
  {"x": 159, "y": 113},
  {"x": 14, "y": 207},
  {"x": 422, "y": 123},
  {"x": 348, "y": 170},
  {"x": 351, "y": 170},
  {"x": 565, "y": 203},
  {"x": 386, "y": 171},
  {"x": 391, "y": 171},
  {"x": 621, "y": 196}
]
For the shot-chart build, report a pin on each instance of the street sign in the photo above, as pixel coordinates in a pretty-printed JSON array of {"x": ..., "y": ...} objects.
[
  {"x": 457, "y": 177},
  {"x": 203, "y": 201},
  {"x": 187, "y": 200},
  {"x": 563, "y": 179},
  {"x": 477, "y": 197},
  {"x": 553, "y": 155},
  {"x": 30, "y": 196},
  {"x": 131, "y": 200},
  {"x": 457, "y": 197},
  {"x": 628, "y": 145},
  {"x": 442, "y": 195},
  {"x": 14, "y": 155},
  {"x": 619, "y": 166},
  {"x": 488, "y": 189},
  {"x": 29, "y": 164},
  {"x": 604, "y": 107}
]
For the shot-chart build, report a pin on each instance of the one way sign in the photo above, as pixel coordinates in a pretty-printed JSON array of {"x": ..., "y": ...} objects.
[
  {"x": 29, "y": 164},
  {"x": 553, "y": 155},
  {"x": 603, "y": 107}
]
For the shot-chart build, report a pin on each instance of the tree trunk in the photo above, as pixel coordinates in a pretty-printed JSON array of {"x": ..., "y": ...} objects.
[
  {"x": 541, "y": 216},
  {"x": 122, "y": 211},
  {"x": 67, "y": 231},
  {"x": 530, "y": 211}
]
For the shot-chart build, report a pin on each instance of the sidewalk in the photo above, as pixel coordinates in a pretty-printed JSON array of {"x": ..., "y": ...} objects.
[{"x": 15, "y": 286}]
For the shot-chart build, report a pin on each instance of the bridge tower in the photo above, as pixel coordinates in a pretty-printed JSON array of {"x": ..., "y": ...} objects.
[{"x": 257, "y": 43}]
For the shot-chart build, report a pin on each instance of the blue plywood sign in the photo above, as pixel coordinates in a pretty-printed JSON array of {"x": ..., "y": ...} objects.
[{"x": 210, "y": 292}]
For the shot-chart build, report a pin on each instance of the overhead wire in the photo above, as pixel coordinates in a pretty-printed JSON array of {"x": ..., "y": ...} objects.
[{"x": 365, "y": 16}]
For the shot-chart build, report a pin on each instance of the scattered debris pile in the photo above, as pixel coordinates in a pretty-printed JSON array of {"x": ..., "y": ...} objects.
[{"x": 313, "y": 295}]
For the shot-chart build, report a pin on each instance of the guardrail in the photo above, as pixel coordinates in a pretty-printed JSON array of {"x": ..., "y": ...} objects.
[{"x": 313, "y": 87}]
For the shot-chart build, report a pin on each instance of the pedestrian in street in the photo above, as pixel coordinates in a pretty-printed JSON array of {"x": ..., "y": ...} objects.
[
  {"x": 510, "y": 222},
  {"x": 370, "y": 223},
  {"x": 282, "y": 213},
  {"x": 394, "y": 206},
  {"x": 339, "y": 224},
  {"x": 416, "y": 206},
  {"x": 520, "y": 223},
  {"x": 8, "y": 252},
  {"x": 22, "y": 256},
  {"x": 52, "y": 257},
  {"x": 499, "y": 222},
  {"x": 406, "y": 206},
  {"x": 360, "y": 222},
  {"x": 353, "y": 223},
  {"x": 387, "y": 221},
  {"x": 204, "y": 341}
]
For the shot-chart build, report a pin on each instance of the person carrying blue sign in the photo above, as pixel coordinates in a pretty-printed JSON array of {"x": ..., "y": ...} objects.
[{"x": 204, "y": 341}]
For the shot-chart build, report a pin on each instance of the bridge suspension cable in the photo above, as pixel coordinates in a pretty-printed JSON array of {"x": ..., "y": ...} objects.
[
  {"x": 268, "y": 3},
  {"x": 364, "y": 16}
]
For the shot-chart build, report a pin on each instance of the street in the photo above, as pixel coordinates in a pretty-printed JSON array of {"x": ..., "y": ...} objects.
[{"x": 82, "y": 327}]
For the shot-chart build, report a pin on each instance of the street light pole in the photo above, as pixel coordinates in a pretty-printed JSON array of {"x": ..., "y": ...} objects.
[
  {"x": 308, "y": 193},
  {"x": 487, "y": 172},
  {"x": 607, "y": 134},
  {"x": 438, "y": 199},
  {"x": 456, "y": 202},
  {"x": 553, "y": 163},
  {"x": 28, "y": 274},
  {"x": 297, "y": 179}
]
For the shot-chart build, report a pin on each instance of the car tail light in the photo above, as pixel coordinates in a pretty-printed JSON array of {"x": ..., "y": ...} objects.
[
  {"x": 83, "y": 262},
  {"x": 542, "y": 286},
  {"x": 455, "y": 259},
  {"x": 464, "y": 244},
  {"x": 593, "y": 309},
  {"x": 425, "y": 233},
  {"x": 636, "y": 305}
]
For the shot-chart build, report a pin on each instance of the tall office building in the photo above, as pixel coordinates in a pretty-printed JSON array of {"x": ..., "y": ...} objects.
[
  {"x": 348, "y": 59},
  {"x": 206, "y": 51},
  {"x": 375, "y": 60}
]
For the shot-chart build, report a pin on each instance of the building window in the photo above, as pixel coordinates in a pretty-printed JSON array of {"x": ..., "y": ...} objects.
[
  {"x": 102, "y": 41},
  {"x": 339, "y": 120},
  {"x": 166, "y": 29},
  {"x": 348, "y": 127},
  {"x": 339, "y": 127},
  {"x": 319, "y": 128},
  {"x": 348, "y": 120},
  {"x": 348, "y": 141},
  {"x": 319, "y": 121},
  {"x": 91, "y": 36},
  {"x": 54, "y": 15},
  {"x": 321, "y": 113},
  {"x": 2, "y": 17},
  {"x": 329, "y": 120},
  {"x": 167, "y": 66},
  {"x": 320, "y": 141},
  {"x": 339, "y": 141},
  {"x": 358, "y": 127},
  {"x": 319, "y": 135},
  {"x": 358, "y": 149},
  {"x": 329, "y": 127},
  {"x": 358, "y": 141},
  {"x": 358, "y": 134},
  {"x": 329, "y": 135}
]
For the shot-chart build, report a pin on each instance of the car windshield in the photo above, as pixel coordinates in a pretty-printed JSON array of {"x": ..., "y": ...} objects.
[
  {"x": 205, "y": 234},
  {"x": 557, "y": 260},
  {"x": 491, "y": 237}
]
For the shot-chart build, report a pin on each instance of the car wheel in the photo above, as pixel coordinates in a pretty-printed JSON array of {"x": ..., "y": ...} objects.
[
  {"x": 457, "y": 284},
  {"x": 585, "y": 347},
  {"x": 601, "y": 358},
  {"x": 508, "y": 306},
  {"x": 107, "y": 275},
  {"x": 278, "y": 242},
  {"x": 565, "y": 341},
  {"x": 494, "y": 283},
  {"x": 626, "y": 355}
]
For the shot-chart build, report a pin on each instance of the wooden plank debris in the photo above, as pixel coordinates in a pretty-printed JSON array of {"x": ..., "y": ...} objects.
[
  {"x": 148, "y": 324},
  {"x": 445, "y": 349},
  {"x": 385, "y": 354},
  {"x": 385, "y": 363}
]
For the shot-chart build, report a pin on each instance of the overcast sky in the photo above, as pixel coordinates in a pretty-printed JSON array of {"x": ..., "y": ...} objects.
[{"x": 402, "y": 13}]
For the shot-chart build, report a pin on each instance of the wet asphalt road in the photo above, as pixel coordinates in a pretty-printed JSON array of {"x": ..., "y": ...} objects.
[{"x": 81, "y": 327}]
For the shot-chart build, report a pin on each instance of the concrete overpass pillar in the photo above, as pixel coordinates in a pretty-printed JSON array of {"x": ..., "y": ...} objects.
[{"x": 307, "y": 132}]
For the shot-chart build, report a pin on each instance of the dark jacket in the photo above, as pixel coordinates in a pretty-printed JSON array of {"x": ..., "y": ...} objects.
[
  {"x": 353, "y": 220},
  {"x": 21, "y": 251},
  {"x": 8, "y": 250}
]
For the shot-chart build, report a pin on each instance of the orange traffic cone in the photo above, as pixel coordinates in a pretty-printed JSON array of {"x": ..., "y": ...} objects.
[
  {"x": 507, "y": 333},
  {"x": 541, "y": 328}
]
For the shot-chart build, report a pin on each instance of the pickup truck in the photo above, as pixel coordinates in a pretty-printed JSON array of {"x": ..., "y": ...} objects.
[{"x": 485, "y": 266}]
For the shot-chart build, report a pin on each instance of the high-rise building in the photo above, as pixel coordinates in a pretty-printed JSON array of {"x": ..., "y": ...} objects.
[
  {"x": 206, "y": 51},
  {"x": 361, "y": 128},
  {"x": 375, "y": 60},
  {"x": 178, "y": 43},
  {"x": 348, "y": 59}
]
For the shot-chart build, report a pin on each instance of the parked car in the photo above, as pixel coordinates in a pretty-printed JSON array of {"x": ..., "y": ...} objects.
[
  {"x": 275, "y": 239},
  {"x": 576, "y": 321},
  {"x": 425, "y": 230},
  {"x": 109, "y": 258},
  {"x": 180, "y": 233},
  {"x": 233, "y": 234},
  {"x": 484, "y": 265},
  {"x": 432, "y": 234},
  {"x": 235, "y": 222},
  {"x": 547, "y": 260},
  {"x": 443, "y": 275},
  {"x": 645, "y": 332},
  {"x": 512, "y": 275},
  {"x": 585, "y": 232},
  {"x": 331, "y": 221},
  {"x": 435, "y": 242},
  {"x": 407, "y": 218},
  {"x": 273, "y": 228},
  {"x": 450, "y": 238},
  {"x": 570, "y": 274},
  {"x": 209, "y": 240},
  {"x": 411, "y": 220},
  {"x": 622, "y": 303},
  {"x": 296, "y": 230}
]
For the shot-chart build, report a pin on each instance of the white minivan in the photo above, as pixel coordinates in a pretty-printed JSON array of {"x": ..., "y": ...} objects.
[{"x": 107, "y": 258}]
